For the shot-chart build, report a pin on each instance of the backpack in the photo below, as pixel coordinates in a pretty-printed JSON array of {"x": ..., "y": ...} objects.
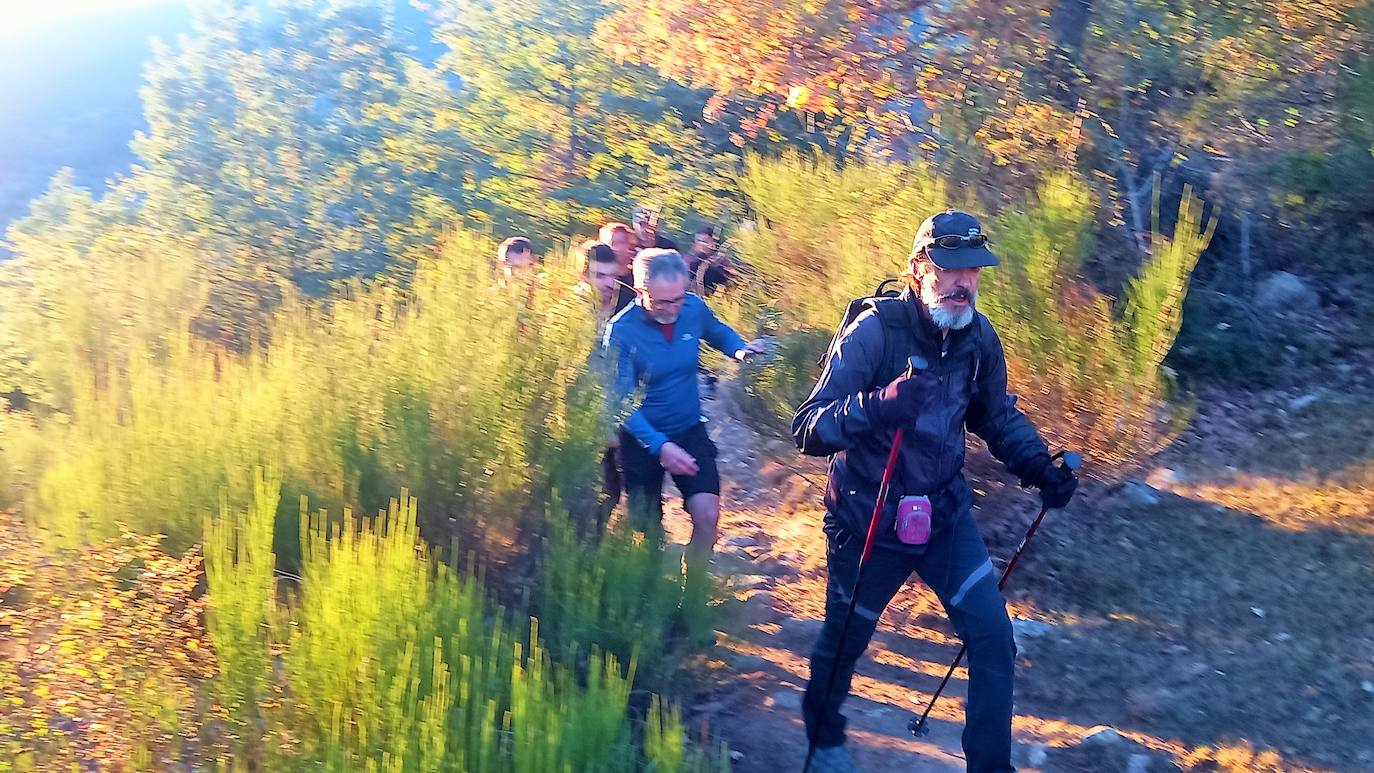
[
  {"x": 896, "y": 325},
  {"x": 893, "y": 319}
]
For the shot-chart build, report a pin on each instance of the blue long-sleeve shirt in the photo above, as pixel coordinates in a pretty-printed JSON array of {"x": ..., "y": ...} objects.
[{"x": 665, "y": 367}]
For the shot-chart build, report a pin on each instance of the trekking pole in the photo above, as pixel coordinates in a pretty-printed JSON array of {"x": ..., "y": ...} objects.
[
  {"x": 915, "y": 363},
  {"x": 918, "y": 726}
]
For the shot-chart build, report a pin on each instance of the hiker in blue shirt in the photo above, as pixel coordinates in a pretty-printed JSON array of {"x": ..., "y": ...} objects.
[{"x": 655, "y": 343}]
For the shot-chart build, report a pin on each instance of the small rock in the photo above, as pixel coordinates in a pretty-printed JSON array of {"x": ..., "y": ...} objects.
[
  {"x": 1025, "y": 630},
  {"x": 1163, "y": 478},
  {"x": 802, "y": 627},
  {"x": 1139, "y": 493},
  {"x": 745, "y": 664},
  {"x": 1284, "y": 289},
  {"x": 736, "y": 755},
  {"x": 787, "y": 699},
  {"x": 738, "y": 541},
  {"x": 1102, "y": 735},
  {"x": 1138, "y": 763},
  {"x": 1283, "y": 637},
  {"x": 1367, "y": 686},
  {"x": 1298, "y": 403},
  {"x": 751, "y": 581},
  {"x": 1257, "y": 612},
  {"x": 760, "y": 608}
]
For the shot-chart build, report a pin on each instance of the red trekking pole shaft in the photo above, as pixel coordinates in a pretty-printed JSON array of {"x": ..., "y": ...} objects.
[
  {"x": 882, "y": 497},
  {"x": 913, "y": 364}
]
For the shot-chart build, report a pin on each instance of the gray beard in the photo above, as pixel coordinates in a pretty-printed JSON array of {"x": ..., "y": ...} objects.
[{"x": 951, "y": 320}]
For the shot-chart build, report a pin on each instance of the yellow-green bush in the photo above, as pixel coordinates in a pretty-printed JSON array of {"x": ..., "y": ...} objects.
[
  {"x": 392, "y": 661},
  {"x": 475, "y": 395},
  {"x": 1091, "y": 374}
]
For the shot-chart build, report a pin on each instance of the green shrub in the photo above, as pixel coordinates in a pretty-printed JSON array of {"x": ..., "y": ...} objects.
[
  {"x": 391, "y": 661},
  {"x": 620, "y": 595},
  {"x": 827, "y": 234},
  {"x": 477, "y": 396},
  {"x": 1090, "y": 374}
]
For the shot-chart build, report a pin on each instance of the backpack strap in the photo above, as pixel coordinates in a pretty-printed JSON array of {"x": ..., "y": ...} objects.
[{"x": 897, "y": 338}]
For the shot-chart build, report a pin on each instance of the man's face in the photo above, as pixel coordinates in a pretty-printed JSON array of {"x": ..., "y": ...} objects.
[
  {"x": 705, "y": 244},
  {"x": 623, "y": 244},
  {"x": 949, "y": 293},
  {"x": 663, "y": 299},
  {"x": 646, "y": 228},
  {"x": 605, "y": 277},
  {"x": 519, "y": 262}
]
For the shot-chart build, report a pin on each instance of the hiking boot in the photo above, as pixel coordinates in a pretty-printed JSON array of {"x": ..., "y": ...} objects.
[{"x": 832, "y": 759}]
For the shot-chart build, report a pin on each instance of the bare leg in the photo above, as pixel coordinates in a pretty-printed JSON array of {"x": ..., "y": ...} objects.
[
  {"x": 705, "y": 512},
  {"x": 696, "y": 615}
]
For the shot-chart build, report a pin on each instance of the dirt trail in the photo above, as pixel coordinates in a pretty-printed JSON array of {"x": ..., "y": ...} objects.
[{"x": 771, "y": 556}]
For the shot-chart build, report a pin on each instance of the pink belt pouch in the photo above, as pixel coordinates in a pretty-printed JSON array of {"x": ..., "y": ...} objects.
[{"x": 913, "y": 520}]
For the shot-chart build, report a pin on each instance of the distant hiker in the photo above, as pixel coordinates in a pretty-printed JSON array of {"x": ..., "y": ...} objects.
[
  {"x": 647, "y": 236},
  {"x": 656, "y": 344},
  {"x": 710, "y": 267},
  {"x": 515, "y": 258},
  {"x": 621, "y": 238},
  {"x": 601, "y": 274},
  {"x": 601, "y": 277},
  {"x": 864, "y": 393}
]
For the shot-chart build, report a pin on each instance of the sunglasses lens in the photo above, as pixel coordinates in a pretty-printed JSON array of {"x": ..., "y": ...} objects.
[{"x": 951, "y": 242}]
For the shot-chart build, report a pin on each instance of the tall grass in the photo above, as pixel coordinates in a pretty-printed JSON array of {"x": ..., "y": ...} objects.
[
  {"x": 827, "y": 234},
  {"x": 476, "y": 396},
  {"x": 1088, "y": 370},
  {"x": 392, "y": 661},
  {"x": 620, "y": 595},
  {"x": 379, "y": 653}
]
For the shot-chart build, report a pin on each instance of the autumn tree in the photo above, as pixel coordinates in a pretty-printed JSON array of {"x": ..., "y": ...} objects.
[
  {"x": 1131, "y": 89},
  {"x": 301, "y": 138},
  {"x": 574, "y": 136}
]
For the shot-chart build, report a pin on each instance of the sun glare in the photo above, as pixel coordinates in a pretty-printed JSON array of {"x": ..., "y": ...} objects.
[{"x": 30, "y": 15}]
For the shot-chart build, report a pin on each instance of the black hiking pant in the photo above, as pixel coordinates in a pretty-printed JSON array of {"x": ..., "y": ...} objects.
[{"x": 955, "y": 566}]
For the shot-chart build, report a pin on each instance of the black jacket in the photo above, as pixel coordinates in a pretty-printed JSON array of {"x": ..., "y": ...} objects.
[{"x": 968, "y": 371}]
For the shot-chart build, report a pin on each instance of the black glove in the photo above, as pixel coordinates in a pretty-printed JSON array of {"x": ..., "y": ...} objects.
[
  {"x": 1056, "y": 484},
  {"x": 899, "y": 403}
]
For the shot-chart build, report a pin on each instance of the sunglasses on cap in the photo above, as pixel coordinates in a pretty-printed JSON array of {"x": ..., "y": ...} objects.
[{"x": 954, "y": 242}]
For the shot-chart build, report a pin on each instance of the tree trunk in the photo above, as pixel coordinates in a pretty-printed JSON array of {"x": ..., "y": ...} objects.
[{"x": 1068, "y": 26}]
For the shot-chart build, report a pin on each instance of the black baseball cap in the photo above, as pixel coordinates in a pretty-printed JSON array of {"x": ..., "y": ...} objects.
[{"x": 972, "y": 253}]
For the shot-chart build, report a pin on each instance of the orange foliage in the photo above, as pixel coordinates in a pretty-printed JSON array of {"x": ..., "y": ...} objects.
[
  {"x": 834, "y": 57},
  {"x": 101, "y": 650}
]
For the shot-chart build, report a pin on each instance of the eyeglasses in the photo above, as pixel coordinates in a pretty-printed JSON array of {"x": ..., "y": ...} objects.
[
  {"x": 954, "y": 242},
  {"x": 665, "y": 301}
]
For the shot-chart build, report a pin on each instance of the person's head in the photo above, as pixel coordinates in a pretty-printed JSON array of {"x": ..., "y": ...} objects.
[
  {"x": 661, "y": 278},
  {"x": 704, "y": 242},
  {"x": 949, "y": 253},
  {"x": 622, "y": 240},
  {"x": 516, "y": 256},
  {"x": 645, "y": 221},
  {"x": 601, "y": 270}
]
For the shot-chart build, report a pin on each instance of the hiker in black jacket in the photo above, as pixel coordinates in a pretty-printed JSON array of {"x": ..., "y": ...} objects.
[{"x": 863, "y": 395}]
